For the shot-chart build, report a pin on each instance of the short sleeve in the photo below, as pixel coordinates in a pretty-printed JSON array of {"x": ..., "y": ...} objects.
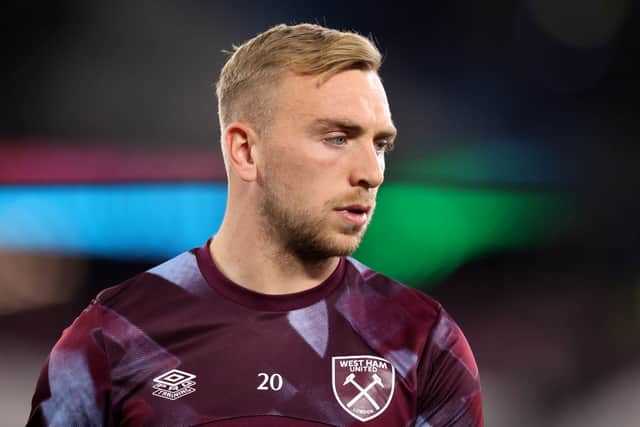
[
  {"x": 74, "y": 385},
  {"x": 449, "y": 385}
]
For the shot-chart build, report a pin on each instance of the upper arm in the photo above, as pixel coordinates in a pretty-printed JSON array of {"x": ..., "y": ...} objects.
[
  {"x": 74, "y": 385},
  {"x": 449, "y": 384}
]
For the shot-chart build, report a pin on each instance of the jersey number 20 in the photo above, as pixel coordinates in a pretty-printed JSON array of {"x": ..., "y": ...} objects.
[{"x": 270, "y": 382}]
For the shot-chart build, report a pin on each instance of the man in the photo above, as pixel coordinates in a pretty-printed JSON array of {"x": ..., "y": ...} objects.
[{"x": 270, "y": 323}]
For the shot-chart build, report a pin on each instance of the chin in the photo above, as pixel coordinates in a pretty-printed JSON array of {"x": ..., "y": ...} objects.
[
  {"x": 344, "y": 245},
  {"x": 327, "y": 247},
  {"x": 342, "y": 250}
]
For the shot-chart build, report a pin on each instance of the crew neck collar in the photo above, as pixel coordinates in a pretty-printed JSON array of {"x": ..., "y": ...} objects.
[{"x": 259, "y": 301}]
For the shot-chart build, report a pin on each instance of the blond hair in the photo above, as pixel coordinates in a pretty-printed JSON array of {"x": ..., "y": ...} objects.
[{"x": 306, "y": 49}]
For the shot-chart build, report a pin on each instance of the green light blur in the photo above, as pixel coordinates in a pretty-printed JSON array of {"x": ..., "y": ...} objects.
[{"x": 421, "y": 233}]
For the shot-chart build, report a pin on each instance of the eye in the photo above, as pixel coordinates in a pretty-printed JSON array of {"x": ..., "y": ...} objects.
[
  {"x": 337, "y": 140},
  {"x": 383, "y": 146}
]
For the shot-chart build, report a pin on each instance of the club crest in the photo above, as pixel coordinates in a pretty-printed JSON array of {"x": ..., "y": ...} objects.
[{"x": 363, "y": 385}]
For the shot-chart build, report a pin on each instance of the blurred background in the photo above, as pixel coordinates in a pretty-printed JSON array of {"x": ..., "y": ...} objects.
[{"x": 512, "y": 195}]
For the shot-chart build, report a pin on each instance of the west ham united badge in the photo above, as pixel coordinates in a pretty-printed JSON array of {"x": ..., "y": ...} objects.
[{"x": 363, "y": 385}]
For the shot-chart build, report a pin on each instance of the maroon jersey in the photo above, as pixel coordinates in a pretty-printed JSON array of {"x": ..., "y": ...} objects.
[{"x": 180, "y": 344}]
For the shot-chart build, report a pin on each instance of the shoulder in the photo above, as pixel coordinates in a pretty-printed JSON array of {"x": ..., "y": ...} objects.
[
  {"x": 393, "y": 318},
  {"x": 394, "y": 294},
  {"x": 417, "y": 335},
  {"x": 403, "y": 306},
  {"x": 176, "y": 278}
]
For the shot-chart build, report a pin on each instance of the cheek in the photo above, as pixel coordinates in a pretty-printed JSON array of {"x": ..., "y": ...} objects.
[
  {"x": 304, "y": 170},
  {"x": 291, "y": 176},
  {"x": 308, "y": 167}
]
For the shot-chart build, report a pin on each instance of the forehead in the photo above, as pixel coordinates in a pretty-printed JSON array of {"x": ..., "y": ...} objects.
[{"x": 354, "y": 94}]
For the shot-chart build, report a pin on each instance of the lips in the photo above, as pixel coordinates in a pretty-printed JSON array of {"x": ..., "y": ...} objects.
[
  {"x": 355, "y": 214},
  {"x": 358, "y": 209}
]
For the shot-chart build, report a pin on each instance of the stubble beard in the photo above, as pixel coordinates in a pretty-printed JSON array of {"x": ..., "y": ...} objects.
[{"x": 302, "y": 234}]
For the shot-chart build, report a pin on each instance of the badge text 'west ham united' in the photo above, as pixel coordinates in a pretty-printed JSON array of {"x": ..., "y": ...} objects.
[{"x": 363, "y": 385}]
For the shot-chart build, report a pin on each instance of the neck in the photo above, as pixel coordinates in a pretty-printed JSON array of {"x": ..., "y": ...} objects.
[{"x": 244, "y": 255}]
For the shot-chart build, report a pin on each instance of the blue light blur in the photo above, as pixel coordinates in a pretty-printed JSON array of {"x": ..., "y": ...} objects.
[{"x": 133, "y": 221}]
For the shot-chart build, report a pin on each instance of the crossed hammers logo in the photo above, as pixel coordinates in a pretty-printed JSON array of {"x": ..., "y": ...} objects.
[{"x": 363, "y": 392}]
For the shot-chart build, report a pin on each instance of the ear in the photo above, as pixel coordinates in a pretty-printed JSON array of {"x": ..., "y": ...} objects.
[{"x": 240, "y": 141}]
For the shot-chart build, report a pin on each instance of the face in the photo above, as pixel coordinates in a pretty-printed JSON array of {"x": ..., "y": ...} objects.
[{"x": 322, "y": 162}]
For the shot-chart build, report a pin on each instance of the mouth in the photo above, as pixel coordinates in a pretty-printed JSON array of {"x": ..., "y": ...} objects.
[
  {"x": 355, "y": 214},
  {"x": 356, "y": 209}
]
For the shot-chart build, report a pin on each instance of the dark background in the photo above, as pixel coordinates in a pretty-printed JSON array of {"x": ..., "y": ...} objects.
[{"x": 553, "y": 323}]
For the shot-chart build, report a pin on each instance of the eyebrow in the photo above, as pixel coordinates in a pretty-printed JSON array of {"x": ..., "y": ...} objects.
[{"x": 351, "y": 127}]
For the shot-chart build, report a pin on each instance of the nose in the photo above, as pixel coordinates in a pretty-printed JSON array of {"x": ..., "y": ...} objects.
[{"x": 367, "y": 166}]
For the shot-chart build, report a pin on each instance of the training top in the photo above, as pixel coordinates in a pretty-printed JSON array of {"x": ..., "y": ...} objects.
[{"x": 182, "y": 345}]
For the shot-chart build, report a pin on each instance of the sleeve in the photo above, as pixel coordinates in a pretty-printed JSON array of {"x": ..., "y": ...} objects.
[
  {"x": 74, "y": 386},
  {"x": 448, "y": 381}
]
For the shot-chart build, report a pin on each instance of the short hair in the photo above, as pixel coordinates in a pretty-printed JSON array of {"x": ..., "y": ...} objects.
[{"x": 306, "y": 49}]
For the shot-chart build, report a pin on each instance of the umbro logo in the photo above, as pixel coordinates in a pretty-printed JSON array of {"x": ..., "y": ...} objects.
[{"x": 174, "y": 384}]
